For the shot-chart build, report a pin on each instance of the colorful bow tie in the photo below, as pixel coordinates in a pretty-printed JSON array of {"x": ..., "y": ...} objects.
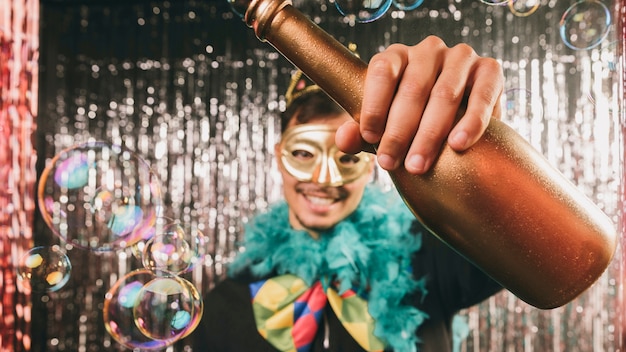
[{"x": 288, "y": 312}]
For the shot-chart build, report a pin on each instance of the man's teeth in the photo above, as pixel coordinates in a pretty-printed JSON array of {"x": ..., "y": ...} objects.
[{"x": 320, "y": 200}]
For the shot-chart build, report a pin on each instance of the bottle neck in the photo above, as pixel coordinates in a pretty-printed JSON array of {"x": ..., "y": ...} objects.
[{"x": 321, "y": 57}]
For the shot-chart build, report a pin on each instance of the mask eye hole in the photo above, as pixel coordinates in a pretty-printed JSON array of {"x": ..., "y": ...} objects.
[
  {"x": 349, "y": 159},
  {"x": 301, "y": 154}
]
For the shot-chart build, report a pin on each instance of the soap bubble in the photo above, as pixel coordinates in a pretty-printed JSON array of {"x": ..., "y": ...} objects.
[
  {"x": 523, "y": 8},
  {"x": 150, "y": 310},
  {"x": 495, "y": 2},
  {"x": 363, "y": 11},
  {"x": 168, "y": 249},
  {"x": 199, "y": 244},
  {"x": 44, "y": 269},
  {"x": 407, "y": 5},
  {"x": 174, "y": 249},
  {"x": 98, "y": 196},
  {"x": 166, "y": 308},
  {"x": 191, "y": 320},
  {"x": 585, "y": 24},
  {"x": 145, "y": 234},
  {"x": 238, "y": 7}
]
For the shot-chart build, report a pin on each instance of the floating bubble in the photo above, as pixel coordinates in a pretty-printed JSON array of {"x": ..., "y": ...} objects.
[
  {"x": 44, "y": 269},
  {"x": 145, "y": 233},
  {"x": 585, "y": 24},
  {"x": 173, "y": 248},
  {"x": 495, "y": 2},
  {"x": 72, "y": 172},
  {"x": 128, "y": 294},
  {"x": 165, "y": 308},
  {"x": 407, "y": 5},
  {"x": 190, "y": 320},
  {"x": 363, "y": 11},
  {"x": 199, "y": 244},
  {"x": 150, "y": 310},
  {"x": 168, "y": 249},
  {"x": 98, "y": 196},
  {"x": 523, "y": 8},
  {"x": 238, "y": 7}
]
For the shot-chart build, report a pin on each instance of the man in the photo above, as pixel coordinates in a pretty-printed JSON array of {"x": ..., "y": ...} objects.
[{"x": 340, "y": 265}]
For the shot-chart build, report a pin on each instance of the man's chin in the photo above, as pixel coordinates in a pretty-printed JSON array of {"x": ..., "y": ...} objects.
[{"x": 316, "y": 226}]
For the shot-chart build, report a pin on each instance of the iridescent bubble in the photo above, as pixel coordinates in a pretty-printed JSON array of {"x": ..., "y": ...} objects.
[
  {"x": 72, "y": 172},
  {"x": 120, "y": 303},
  {"x": 407, "y": 5},
  {"x": 191, "y": 320},
  {"x": 165, "y": 307},
  {"x": 168, "y": 249},
  {"x": 118, "y": 212},
  {"x": 98, "y": 196},
  {"x": 523, "y": 8},
  {"x": 238, "y": 7},
  {"x": 128, "y": 294},
  {"x": 199, "y": 244},
  {"x": 363, "y": 11},
  {"x": 495, "y": 2},
  {"x": 146, "y": 232},
  {"x": 44, "y": 269},
  {"x": 585, "y": 24}
]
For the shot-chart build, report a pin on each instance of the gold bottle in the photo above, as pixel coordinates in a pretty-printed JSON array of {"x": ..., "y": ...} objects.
[{"x": 499, "y": 204}]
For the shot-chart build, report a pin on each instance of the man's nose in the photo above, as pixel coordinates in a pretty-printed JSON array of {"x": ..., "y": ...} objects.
[{"x": 327, "y": 173}]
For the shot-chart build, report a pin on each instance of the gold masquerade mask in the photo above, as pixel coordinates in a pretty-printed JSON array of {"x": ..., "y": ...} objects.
[{"x": 308, "y": 152}]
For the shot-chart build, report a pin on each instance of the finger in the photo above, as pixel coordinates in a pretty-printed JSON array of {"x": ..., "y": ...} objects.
[
  {"x": 405, "y": 114},
  {"x": 441, "y": 109},
  {"x": 383, "y": 72},
  {"x": 486, "y": 84},
  {"x": 348, "y": 139}
]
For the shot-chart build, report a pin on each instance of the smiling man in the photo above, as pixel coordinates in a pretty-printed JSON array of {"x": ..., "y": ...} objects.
[
  {"x": 321, "y": 184},
  {"x": 340, "y": 265}
]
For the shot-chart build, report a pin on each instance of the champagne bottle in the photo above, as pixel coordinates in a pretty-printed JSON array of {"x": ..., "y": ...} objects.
[{"x": 500, "y": 204}]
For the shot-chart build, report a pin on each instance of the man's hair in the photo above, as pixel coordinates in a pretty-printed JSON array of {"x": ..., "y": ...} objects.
[{"x": 309, "y": 106}]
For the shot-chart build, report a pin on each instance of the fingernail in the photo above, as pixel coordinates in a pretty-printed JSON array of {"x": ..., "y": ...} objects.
[
  {"x": 460, "y": 139},
  {"x": 416, "y": 164},
  {"x": 386, "y": 162},
  {"x": 370, "y": 137}
]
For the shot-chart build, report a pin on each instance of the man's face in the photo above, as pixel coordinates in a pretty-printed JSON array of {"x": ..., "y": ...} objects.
[{"x": 314, "y": 171}]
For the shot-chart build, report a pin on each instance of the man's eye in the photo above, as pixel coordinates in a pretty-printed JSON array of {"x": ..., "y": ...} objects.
[
  {"x": 301, "y": 154},
  {"x": 349, "y": 159}
]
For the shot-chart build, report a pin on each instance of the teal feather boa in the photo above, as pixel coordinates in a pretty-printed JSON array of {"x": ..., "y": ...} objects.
[{"x": 370, "y": 252}]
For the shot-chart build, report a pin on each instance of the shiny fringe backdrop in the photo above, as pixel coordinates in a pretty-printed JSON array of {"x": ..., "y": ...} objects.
[
  {"x": 19, "y": 49},
  {"x": 187, "y": 87}
]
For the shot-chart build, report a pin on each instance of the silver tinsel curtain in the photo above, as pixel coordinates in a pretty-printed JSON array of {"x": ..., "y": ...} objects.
[{"x": 189, "y": 89}]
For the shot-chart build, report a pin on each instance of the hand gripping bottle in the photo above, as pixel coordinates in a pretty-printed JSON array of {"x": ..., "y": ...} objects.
[{"x": 500, "y": 204}]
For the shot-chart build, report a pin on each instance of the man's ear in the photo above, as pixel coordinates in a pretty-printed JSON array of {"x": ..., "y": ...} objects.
[{"x": 277, "y": 155}]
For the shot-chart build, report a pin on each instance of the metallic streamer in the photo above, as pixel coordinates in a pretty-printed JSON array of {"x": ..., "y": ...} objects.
[{"x": 19, "y": 50}]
